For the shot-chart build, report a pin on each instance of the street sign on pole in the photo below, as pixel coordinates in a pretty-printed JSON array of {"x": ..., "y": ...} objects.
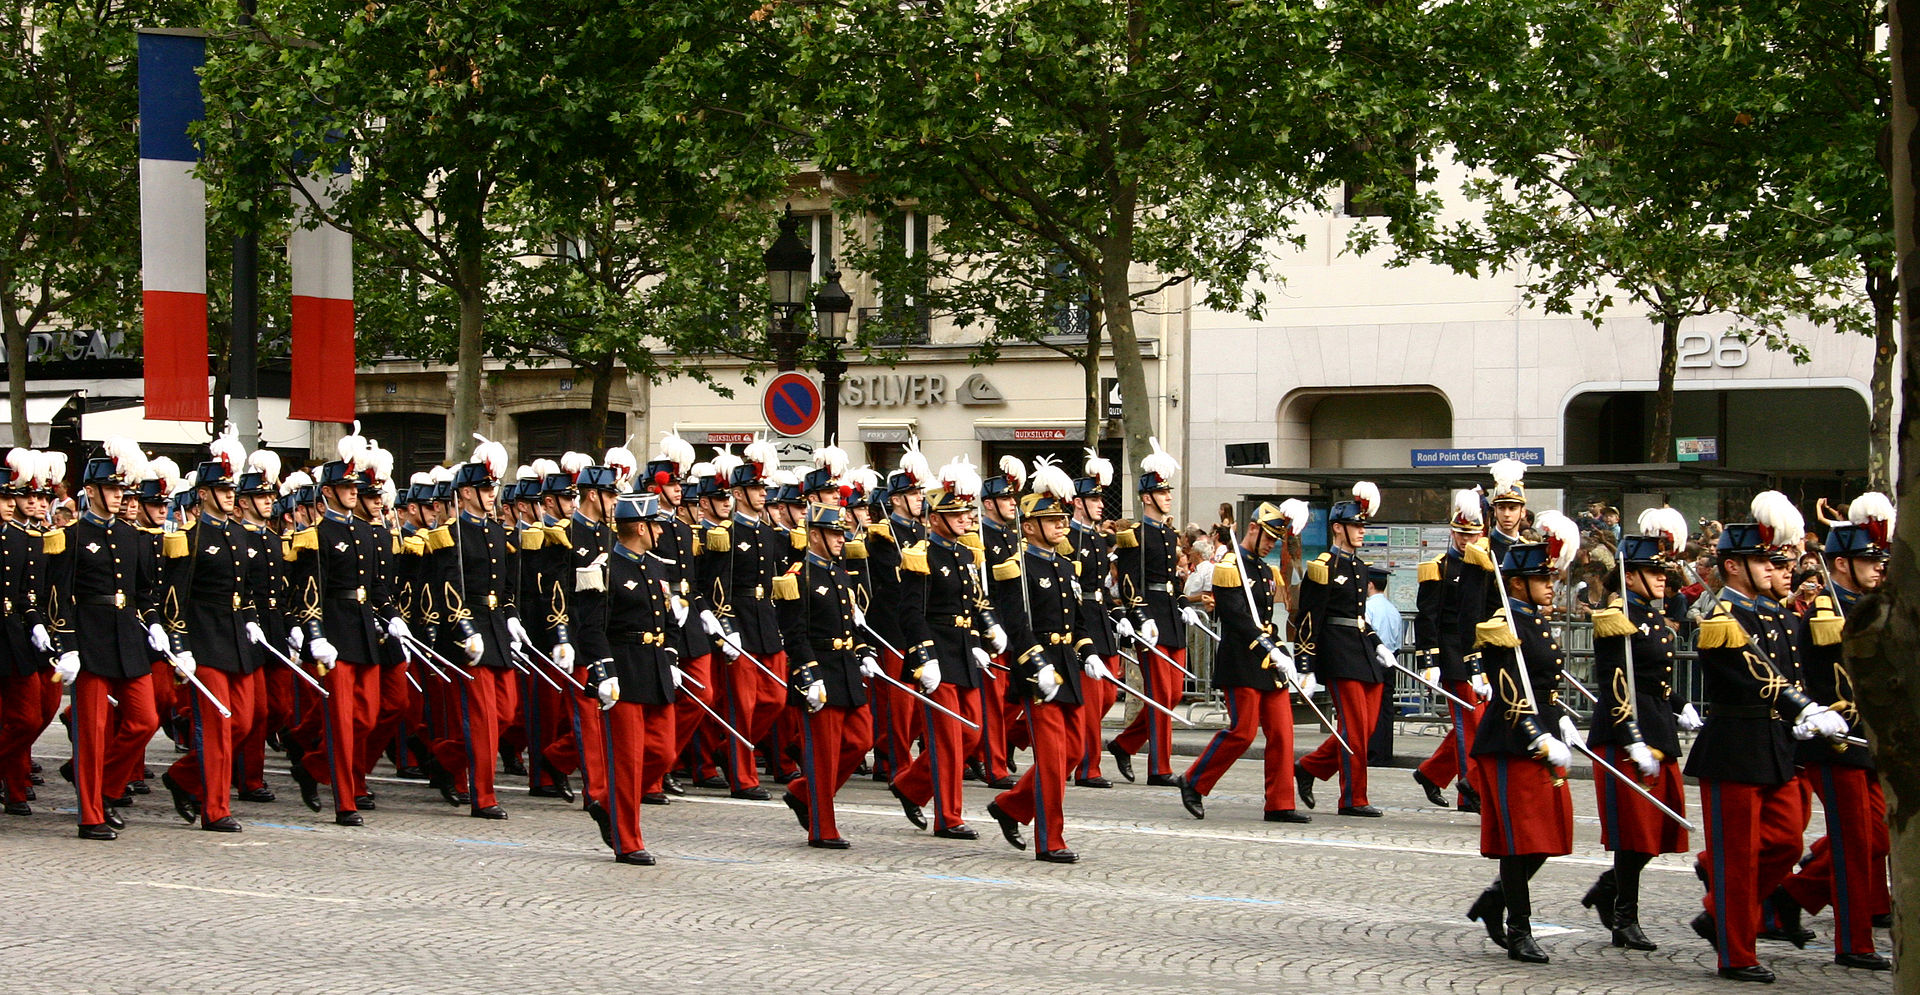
[{"x": 791, "y": 404}]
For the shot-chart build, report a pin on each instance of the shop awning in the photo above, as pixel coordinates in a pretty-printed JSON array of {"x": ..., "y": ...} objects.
[
  {"x": 43, "y": 408},
  {"x": 1598, "y": 476},
  {"x": 721, "y": 434},
  {"x": 1029, "y": 429},
  {"x": 887, "y": 429},
  {"x": 276, "y": 429}
]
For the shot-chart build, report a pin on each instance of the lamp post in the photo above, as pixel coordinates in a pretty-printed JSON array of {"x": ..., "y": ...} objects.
[
  {"x": 831, "y": 306},
  {"x": 789, "y": 272}
]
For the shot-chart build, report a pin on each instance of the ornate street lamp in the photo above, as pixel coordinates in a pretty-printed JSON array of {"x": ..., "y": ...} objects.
[
  {"x": 789, "y": 273},
  {"x": 831, "y": 307}
]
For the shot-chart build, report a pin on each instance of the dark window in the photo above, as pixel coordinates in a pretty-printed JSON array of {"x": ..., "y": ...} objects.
[
  {"x": 551, "y": 434},
  {"x": 416, "y": 441}
]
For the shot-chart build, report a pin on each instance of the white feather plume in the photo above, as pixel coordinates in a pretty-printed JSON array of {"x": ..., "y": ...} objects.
[
  {"x": 1159, "y": 462},
  {"x": 961, "y": 478},
  {"x": 1466, "y": 508},
  {"x": 620, "y": 458},
  {"x": 914, "y": 462},
  {"x": 1296, "y": 513},
  {"x": 162, "y": 468},
  {"x": 228, "y": 451},
  {"x": 294, "y": 481},
  {"x": 420, "y": 479},
  {"x": 1099, "y": 467},
  {"x": 1871, "y": 507},
  {"x": 1562, "y": 537},
  {"x": 864, "y": 478},
  {"x": 441, "y": 474},
  {"x": 764, "y": 453},
  {"x": 832, "y": 459},
  {"x": 22, "y": 462},
  {"x": 1015, "y": 471},
  {"x": 490, "y": 454},
  {"x": 1049, "y": 479},
  {"x": 266, "y": 463},
  {"x": 351, "y": 446},
  {"x": 184, "y": 484},
  {"x": 724, "y": 463},
  {"x": 1775, "y": 511},
  {"x": 679, "y": 450},
  {"x": 781, "y": 477},
  {"x": 539, "y": 469},
  {"x": 700, "y": 471},
  {"x": 51, "y": 470},
  {"x": 571, "y": 463},
  {"x": 126, "y": 455},
  {"x": 1507, "y": 473},
  {"x": 388, "y": 492},
  {"x": 378, "y": 462},
  {"x": 1667, "y": 524},
  {"x": 1368, "y": 495}
]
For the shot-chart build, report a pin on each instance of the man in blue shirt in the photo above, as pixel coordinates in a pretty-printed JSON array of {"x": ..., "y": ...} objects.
[{"x": 1385, "y": 619}]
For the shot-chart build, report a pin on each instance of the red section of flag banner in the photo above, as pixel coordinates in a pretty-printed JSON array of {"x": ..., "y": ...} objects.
[
  {"x": 322, "y": 360},
  {"x": 176, "y": 355}
]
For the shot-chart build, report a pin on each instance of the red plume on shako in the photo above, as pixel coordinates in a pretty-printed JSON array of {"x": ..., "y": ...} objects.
[
  {"x": 1874, "y": 511},
  {"x": 1562, "y": 537}
]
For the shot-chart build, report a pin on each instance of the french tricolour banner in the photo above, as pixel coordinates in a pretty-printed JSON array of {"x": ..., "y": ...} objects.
[
  {"x": 173, "y": 228},
  {"x": 321, "y": 260}
]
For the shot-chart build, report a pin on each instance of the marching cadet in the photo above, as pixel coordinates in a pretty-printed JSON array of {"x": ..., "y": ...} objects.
[
  {"x": 634, "y": 675},
  {"x": 787, "y": 513},
  {"x": 949, "y": 653},
  {"x": 1151, "y": 589},
  {"x": 712, "y": 576},
  {"x": 1251, "y": 669},
  {"x": 545, "y": 578},
  {"x": 29, "y": 698},
  {"x": 904, "y": 502},
  {"x": 253, "y": 507},
  {"x": 1520, "y": 751},
  {"x": 1848, "y": 867},
  {"x": 750, "y": 554},
  {"x": 478, "y": 590},
  {"x": 1509, "y": 503},
  {"x": 151, "y": 495},
  {"x": 1089, "y": 546},
  {"x": 1743, "y": 757},
  {"x": 856, "y": 494},
  {"x": 1047, "y": 638},
  {"x": 1001, "y": 541},
  {"x": 826, "y": 657},
  {"x": 589, "y": 544},
  {"x": 347, "y": 609},
  {"x": 208, "y": 609},
  {"x": 1637, "y": 722},
  {"x": 390, "y": 694},
  {"x": 1453, "y": 592},
  {"x": 103, "y": 607},
  {"x": 678, "y": 549},
  {"x": 1337, "y": 647},
  {"x": 518, "y": 508}
]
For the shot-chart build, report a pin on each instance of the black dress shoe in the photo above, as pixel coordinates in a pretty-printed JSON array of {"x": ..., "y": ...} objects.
[
  {"x": 98, "y": 831},
  {"x": 1002, "y": 784},
  {"x": 1600, "y": 898},
  {"x": 1469, "y": 800},
  {"x": 224, "y": 824},
  {"x": 140, "y": 787},
  {"x": 1058, "y": 856},
  {"x": 1754, "y": 973},
  {"x": 1869, "y": 961},
  {"x": 1361, "y": 811},
  {"x": 183, "y": 803},
  {"x": 786, "y": 777},
  {"x": 1798, "y": 936},
  {"x": 1630, "y": 936},
  {"x": 1288, "y": 815},
  {"x": 799, "y": 807},
  {"x": 862, "y": 769},
  {"x": 66, "y": 772},
  {"x": 411, "y": 773},
  {"x": 33, "y": 767},
  {"x": 914, "y": 813},
  {"x": 1520, "y": 947},
  {"x": 19, "y": 808},
  {"x": 1490, "y": 910},
  {"x": 1092, "y": 782},
  {"x": 669, "y": 784},
  {"x": 833, "y": 844},
  {"x": 973, "y": 772},
  {"x": 959, "y": 831},
  {"x": 1163, "y": 780},
  {"x": 558, "y": 789},
  {"x": 513, "y": 765},
  {"x": 36, "y": 779},
  {"x": 599, "y": 816},
  {"x": 114, "y": 821},
  {"x": 1190, "y": 797},
  {"x": 641, "y": 857},
  {"x": 1012, "y": 768},
  {"x": 655, "y": 798},
  {"x": 123, "y": 800},
  {"x": 714, "y": 783},
  {"x": 1122, "y": 761},
  {"x": 754, "y": 794},
  {"x": 309, "y": 788},
  {"x": 462, "y": 798},
  {"x": 1303, "y": 785},
  {"x": 348, "y": 819},
  {"x": 1883, "y": 920},
  {"x": 1433, "y": 790},
  {"x": 494, "y": 812},
  {"x": 1786, "y": 914},
  {"x": 363, "y": 802},
  {"x": 1009, "y": 827},
  {"x": 1703, "y": 927},
  {"x": 262, "y": 794},
  {"x": 31, "y": 795}
]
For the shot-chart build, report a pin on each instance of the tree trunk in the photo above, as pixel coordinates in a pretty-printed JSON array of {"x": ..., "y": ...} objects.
[
  {"x": 1094, "y": 415},
  {"x": 1883, "y": 642},
  {"x": 597, "y": 407},
  {"x": 1882, "y": 292},
  {"x": 471, "y": 275},
  {"x": 1660, "y": 440},
  {"x": 16, "y": 335},
  {"x": 1136, "y": 410}
]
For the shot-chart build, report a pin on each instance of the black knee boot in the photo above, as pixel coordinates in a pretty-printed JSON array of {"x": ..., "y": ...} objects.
[
  {"x": 1626, "y": 901},
  {"x": 1516, "y": 874},
  {"x": 1490, "y": 910},
  {"x": 1600, "y": 898}
]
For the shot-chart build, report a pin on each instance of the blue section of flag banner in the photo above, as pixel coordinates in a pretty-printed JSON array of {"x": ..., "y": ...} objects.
[{"x": 170, "y": 98}]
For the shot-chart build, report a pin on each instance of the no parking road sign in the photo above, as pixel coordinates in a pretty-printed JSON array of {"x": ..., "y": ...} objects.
[{"x": 791, "y": 404}]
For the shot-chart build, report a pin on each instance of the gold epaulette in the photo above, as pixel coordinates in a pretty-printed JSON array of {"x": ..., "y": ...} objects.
[
  {"x": 881, "y": 530},
  {"x": 971, "y": 540},
  {"x": 1317, "y": 570},
  {"x": 1479, "y": 553},
  {"x": 306, "y": 540},
  {"x": 719, "y": 540},
  {"x": 699, "y": 543},
  {"x": 1612, "y": 622},
  {"x": 1126, "y": 538},
  {"x": 1825, "y": 625},
  {"x": 397, "y": 542},
  {"x": 252, "y": 526},
  {"x": 413, "y": 545},
  {"x": 914, "y": 557},
  {"x": 439, "y": 538},
  {"x": 1226, "y": 573},
  {"x": 1063, "y": 547},
  {"x": 797, "y": 538},
  {"x": 1007, "y": 570},
  {"x": 54, "y": 542},
  {"x": 531, "y": 538},
  {"x": 1273, "y": 574},
  {"x": 856, "y": 549},
  {"x": 786, "y": 587},
  {"x": 175, "y": 545},
  {"x": 557, "y": 535},
  {"x": 1495, "y": 632},
  {"x": 1430, "y": 570},
  {"x": 1721, "y": 631}
]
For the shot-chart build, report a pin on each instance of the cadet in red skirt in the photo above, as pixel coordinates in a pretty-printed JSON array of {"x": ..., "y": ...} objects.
[
  {"x": 1520, "y": 754},
  {"x": 1637, "y": 724}
]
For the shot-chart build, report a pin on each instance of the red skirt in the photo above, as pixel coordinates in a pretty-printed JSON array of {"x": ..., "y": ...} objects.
[
  {"x": 1522, "y": 810},
  {"x": 1627, "y": 822}
]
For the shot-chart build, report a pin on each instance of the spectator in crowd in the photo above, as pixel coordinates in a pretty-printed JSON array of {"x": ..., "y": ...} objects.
[
  {"x": 63, "y": 513},
  {"x": 1226, "y": 517},
  {"x": 1591, "y": 518},
  {"x": 1807, "y": 584},
  {"x": 1610, "y": 522},
  {"x": 1199, "y": 562},
  {"x": 1382, "y": 614}
]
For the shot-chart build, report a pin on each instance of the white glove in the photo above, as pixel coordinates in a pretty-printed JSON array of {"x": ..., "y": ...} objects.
[
  {"x": 981, "y": 659},
  {"x": 157, "y": 638},
  {"x": 256, "y": 634},
  {"x": 519, "y": 633},
  {"x": 296, "y": 638},
  {"x": 870, "y": 666},
  {"x": 608, "y": 691},
  {"x": 1481, "y": 689},
  {"x": 1643, "y": 759},
  {"x": 1125, "y": 628},
  {"x": 859, "y": 617},
  {"x": 1555, "y": 752},
  {"x": 710, "y": 623},
  {"x": 1289, "y": 674},
  {"x": 1822, "y": 721},
  {"x": 1096, "y": 668},
  {"x": 1570, "y": 733},
  {"x": 42, "y": 640},
  {"x": 563, "y": 656},
  {"x": 997, "y": 638},
  {"x": 397, "y": 628},
  {"x": 680, "y": 610},
  {"x": 185, "y": 663},
  {"x": 1385, "y": 656},
  {"x": 731, "y": 646},
  {"x": 1309, "y": 685},
  {"x": 1430, "y": 674},
  {"x": 1048, "y": 680},
  {"x": 475, "y": 647},
  {"x": 816, "y": 696},
  {"x": 1689, "y": 718},
  {"x": 929, "y": 675},
  {"x": 1150, "y": 632},
  {"x": 323, "y": 652},
  {"x": 67, "y": 667},
  {"x": 679, "y": 676}
]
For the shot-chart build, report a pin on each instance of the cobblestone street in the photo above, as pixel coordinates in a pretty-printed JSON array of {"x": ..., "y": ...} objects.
[{"x": 425, "y": 899}]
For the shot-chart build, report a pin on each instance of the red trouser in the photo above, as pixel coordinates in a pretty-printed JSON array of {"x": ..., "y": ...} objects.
[
  {"x": 1036, "y": 799},
  {"x": 586, "y": 747},
  {"x": 688, "y": 717},
  {"x": 1444, "y": 765},
  {"x": 206, "y": 771},
  {"x": 279, "y": 696},
  {"x": 785, "y": 740},
  {"x": 1359, "y": 705},
  {"x": 23, "y": 717},
  {"x": 989, "y": 701},
  {"x": 1628, "y": 822},
  {"x": 1099, "y": 698},
  {"x": 903, "y": 717},
  {"x": 548, "y": 718},
  {"x": 754, "y": 701},
  {"x": 1753, "y": 838},
  {"x": 166, "y": 699},
  {"x": 109, "y": 743},
  {"x": 935, "y": 775},
  {"x": 250, "y": 741},
  {"x": 1249, "y": 711},
  {"x": 636, "y": 748},
  {"x": 1523, "y": 811},
  {"x": 471, "y": 747},
  {"x": 1849, "y": 865},
  {"x": 344, "y": 718},
  {"x": 390, "y": 699},
  {"x": 1164, "y": 684},
  {"x": 832, "y": 742}
]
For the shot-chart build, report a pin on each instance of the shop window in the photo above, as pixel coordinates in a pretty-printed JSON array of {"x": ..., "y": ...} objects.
[
  {"x": 417, "y": 441},
  {"x": 550, "y": 434}
]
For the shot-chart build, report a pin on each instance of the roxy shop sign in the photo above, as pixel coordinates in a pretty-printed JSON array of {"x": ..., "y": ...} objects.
[{"x": 918, "y": 390}]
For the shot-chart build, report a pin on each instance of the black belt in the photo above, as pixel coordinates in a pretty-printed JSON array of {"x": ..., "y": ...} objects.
[
  {"x": 637, "y": 638},
  {"x": 1351, "y": 623},
  {"x": 1161, "y": 587},
  {"x": 102, "y": 600},
  {"x": 1740, "y": 711}
]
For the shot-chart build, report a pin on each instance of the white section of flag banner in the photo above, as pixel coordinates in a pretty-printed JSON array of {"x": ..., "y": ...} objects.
[
  {"x": 320, "y": 257},
  {"x": 173, "y": 227}
]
